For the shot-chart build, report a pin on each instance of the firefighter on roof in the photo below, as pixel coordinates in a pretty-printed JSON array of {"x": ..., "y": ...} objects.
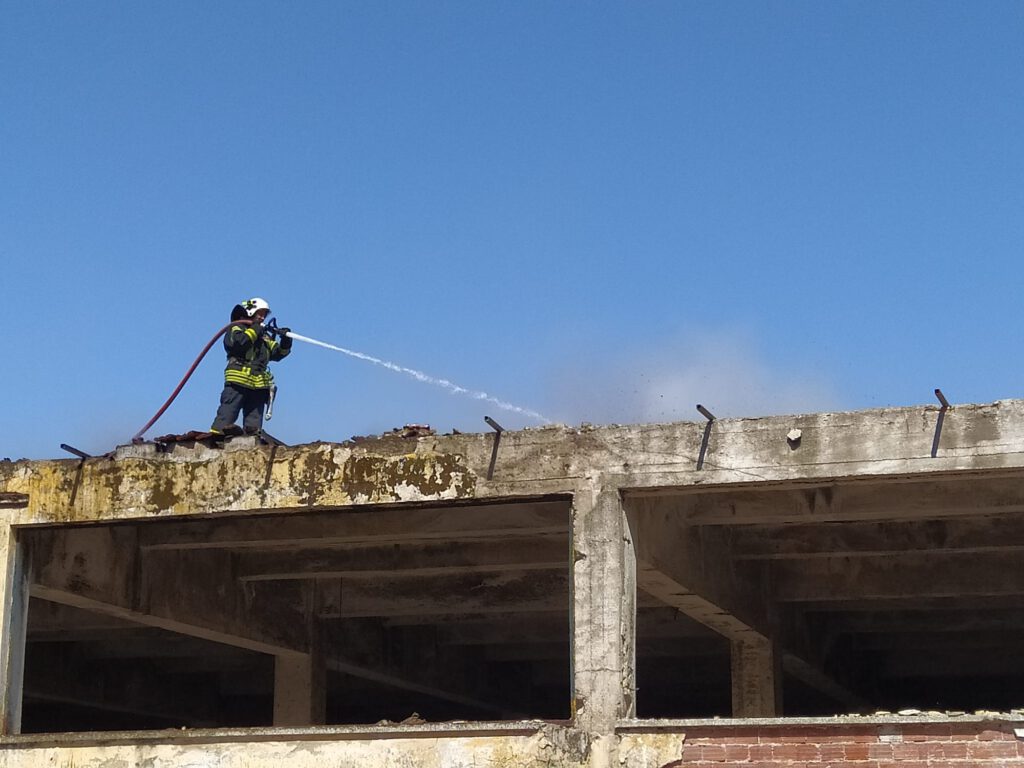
[{"x": 248, "y": 383}]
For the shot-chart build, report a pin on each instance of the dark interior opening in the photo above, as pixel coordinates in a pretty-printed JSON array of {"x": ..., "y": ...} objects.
[
  {"x": 879, "y": 596},
  {"x": 406, "y": 614},
  {"x": 682, "y": 667}
]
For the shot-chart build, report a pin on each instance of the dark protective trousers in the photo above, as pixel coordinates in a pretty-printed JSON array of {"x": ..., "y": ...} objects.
[{"x": 250, "y": 402}]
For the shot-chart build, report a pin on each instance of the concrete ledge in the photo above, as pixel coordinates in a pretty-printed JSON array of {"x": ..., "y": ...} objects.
[
  {"x": 836, "y": 721},
  {"x": 250, "y": 735}
]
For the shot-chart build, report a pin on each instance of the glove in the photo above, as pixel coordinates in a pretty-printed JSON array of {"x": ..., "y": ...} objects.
[{"x": 286, "y": 340}]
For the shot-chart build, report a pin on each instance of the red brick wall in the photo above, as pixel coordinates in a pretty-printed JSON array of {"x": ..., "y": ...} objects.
[{"x": 907, "y": 745}]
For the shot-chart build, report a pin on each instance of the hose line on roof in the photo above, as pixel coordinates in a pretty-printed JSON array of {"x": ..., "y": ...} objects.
[{"x": 137, "y": 438}]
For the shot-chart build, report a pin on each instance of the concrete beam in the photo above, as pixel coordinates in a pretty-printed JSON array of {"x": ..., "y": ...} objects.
[
  {"x": 497, "y": 618},
  {"x": 897, "y": 498},
  {"x": 1002, "y": 533},
  {"x": 55, "y": 621},
  {"x": 913, "y": 576},
  {"x": 689, "y": 569},
  {"x": 506, "y": 628},
  {"x": 409, "y": 560},
  {"x": 664, "y": 621},
  {"x": 913, "y": 603},
  {"x": 979, "y": 642},
  {"x": 97, "y": 568},
  {"x": 123, "y": 632},
  {"x": 346, "y": 528},
  {"x": 530, "y": 591},
  {"x": 927, "y": 623}
]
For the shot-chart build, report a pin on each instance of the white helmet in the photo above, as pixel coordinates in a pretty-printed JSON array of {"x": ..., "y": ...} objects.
[{"x": 252, "y": 306}]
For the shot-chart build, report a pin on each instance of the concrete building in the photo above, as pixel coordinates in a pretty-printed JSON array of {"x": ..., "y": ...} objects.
[{"x": 828, "y": 589}]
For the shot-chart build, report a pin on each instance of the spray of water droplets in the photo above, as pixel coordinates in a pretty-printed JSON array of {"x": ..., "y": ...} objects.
[{"x": 455, "y": 389}]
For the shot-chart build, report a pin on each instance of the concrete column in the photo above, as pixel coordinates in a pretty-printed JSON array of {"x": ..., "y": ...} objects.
[
  {"x": 300, "y": 679},
  {"x": 300, "y": 692},
  {"x": 756, "y": 678},
  {"x": 604, "y": 612},
  {"x": 13, "y": 623}
]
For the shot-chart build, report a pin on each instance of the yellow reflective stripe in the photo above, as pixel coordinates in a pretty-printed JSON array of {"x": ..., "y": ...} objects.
[
  {"x": 247, "y": 375},
  {"x": 254, "y": 380},
  {"x": 250, "y": 333}
]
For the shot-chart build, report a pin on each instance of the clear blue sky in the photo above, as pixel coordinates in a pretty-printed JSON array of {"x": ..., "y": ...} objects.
[{"x": 603, "y": 211}]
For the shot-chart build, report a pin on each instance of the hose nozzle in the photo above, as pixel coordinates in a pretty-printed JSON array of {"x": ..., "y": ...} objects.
[{"x": 273, "y": 330}]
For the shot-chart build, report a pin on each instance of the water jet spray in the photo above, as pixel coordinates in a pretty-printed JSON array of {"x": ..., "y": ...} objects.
[{"x": 420, "y": 376}]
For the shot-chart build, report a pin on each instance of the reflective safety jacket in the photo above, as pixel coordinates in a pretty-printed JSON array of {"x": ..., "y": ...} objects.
[{"x": 249, "y": 355}]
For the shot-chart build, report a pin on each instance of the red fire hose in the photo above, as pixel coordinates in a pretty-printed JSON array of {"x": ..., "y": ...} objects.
[{"x": 138, "y": 435}]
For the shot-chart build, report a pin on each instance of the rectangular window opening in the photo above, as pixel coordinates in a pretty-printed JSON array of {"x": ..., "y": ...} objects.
[
  {"x": 856, "y": 598},
  {"x": 351, "y": 616}
]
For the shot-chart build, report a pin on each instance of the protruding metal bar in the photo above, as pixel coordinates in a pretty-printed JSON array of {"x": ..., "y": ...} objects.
[
  {"x": 74, "y": 451},
  {"x": 938, "y": 422},
  {"x": 707, "y": 434},
  {"x": 498, "y": 429},
  {"x": 78, "y": 475},
  {"x": 270, "y": 439}
]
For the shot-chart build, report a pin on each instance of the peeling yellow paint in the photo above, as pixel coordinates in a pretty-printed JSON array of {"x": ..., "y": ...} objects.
[
  {"x": 650, "y": 750},
  {"x": 307, "y": 476},
  {"x": 439, "y": 752}
]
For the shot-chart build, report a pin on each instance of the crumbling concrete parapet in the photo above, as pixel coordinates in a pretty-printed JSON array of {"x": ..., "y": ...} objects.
[
  {"x": 437, "y": 746},
  {"x": 320, "y": 475},
  {"x": 140, "y": 482}
]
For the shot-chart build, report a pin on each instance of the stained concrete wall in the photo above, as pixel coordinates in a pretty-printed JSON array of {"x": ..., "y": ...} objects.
[
  {"x": 595, "y": 465},
  {"x": 531, "y": 744},
  {"x": 140, "y": 482},
  {"x": 910, "y": 742}
]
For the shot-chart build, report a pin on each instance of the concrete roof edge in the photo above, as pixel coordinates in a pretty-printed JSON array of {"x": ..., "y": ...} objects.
[
  {"x": 584, "y": 428},
  {"x": 834, "y": 721},
  {"x": 454, "y": 729}
]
